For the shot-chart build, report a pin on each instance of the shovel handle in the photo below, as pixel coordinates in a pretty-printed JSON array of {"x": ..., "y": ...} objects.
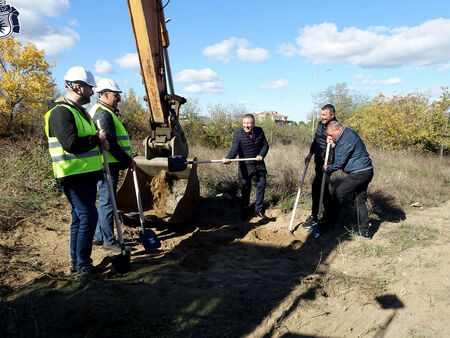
[
  {"x": 298, "y": 195},
  {"x": 113, "y": 198},
  {"x": 220, "y": 161},
  {"x": 322, "y": 187}
]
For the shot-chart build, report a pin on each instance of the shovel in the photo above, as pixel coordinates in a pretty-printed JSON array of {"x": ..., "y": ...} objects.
[
  {"x": 120, "y": 263},
  {"x": 179, "y": 163},
  {"x": 148, "y": 237},
  {"x": 322, "y": 187},
  {"x": 315, "y": 229},
  {"x": 298, "y": 195}
]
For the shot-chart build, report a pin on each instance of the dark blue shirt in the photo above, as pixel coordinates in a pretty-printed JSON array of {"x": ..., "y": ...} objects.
[{"x": 350, "y": 153}]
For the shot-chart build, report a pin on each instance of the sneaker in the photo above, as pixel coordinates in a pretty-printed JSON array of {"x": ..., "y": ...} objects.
[
  {"x": 115, "y": 247},
  {"x": 97, "y": 242},
  {"x": 309, "y": 222}
]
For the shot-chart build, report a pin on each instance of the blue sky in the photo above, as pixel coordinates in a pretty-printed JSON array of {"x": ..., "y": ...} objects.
[{"x": 262, "y": 54}]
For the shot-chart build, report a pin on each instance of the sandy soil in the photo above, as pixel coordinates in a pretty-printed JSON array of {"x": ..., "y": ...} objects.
[{"x": 223, "y": 277}]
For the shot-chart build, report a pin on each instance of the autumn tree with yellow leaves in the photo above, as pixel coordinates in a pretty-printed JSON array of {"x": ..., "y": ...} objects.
[
  {"x": 404, "y": 122},
  {"x": 26, "y": 86}
]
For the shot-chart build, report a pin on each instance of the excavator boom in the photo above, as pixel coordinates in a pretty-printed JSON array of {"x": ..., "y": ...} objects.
[{"x": 168, "y": 196}]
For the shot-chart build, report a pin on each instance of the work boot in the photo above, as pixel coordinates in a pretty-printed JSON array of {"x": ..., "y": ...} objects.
[
  {"x": 309, "y": 222},
  {"x": 115, "y": 247},
  {"x": 89, "y": 270},
  {"x": 72, "y": 269}
]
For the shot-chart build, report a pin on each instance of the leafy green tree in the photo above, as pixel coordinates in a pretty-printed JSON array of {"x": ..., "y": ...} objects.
[
  {"x": 344, "y": 101},
  {"x": 134, "y": 114},
  {"x": 26, "y": 86},
  {"x": 220, "y": 129},
  {"x": 441, "y": 109}
]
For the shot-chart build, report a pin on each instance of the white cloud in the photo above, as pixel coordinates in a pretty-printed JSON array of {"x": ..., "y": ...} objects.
[
  {"x": 128, "y": 61},
  {"x": 45, "y": 35},
  {"x": 204, "y": 87},
  {"x": 252, "y": 54},
  {"x": 434, "y": 91},
  {"x": 357, "y": 76},
  {"x": 391, "y": 81},
  {"x": 103, "y": 67},
  {"x": 275, "y": 84},
  {"x": 445, "y": 67},
  {"x": 235, "y": 48},
  {"x": 192, "y": 75},
  {"x": 51, "y": 8},
  {"x": 423, "y": 45},
  {"x": 287, "y": 49}
]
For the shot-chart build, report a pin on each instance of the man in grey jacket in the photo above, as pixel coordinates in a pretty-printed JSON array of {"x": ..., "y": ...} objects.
[{"x": 351, "y": 156}]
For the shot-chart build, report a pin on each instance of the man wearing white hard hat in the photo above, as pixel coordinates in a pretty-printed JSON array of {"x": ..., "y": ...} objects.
[
  {"x": 106, "y": 113},
  {"x": 74, "y": 145}
]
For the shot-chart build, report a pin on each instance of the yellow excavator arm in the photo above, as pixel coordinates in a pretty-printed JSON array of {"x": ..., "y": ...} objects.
[
  {"x": 152, "y": 40},
  {"x": 170, "y": 197}
]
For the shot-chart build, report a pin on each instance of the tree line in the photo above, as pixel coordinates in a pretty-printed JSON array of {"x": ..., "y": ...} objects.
[{"x": 408, "y": 121}]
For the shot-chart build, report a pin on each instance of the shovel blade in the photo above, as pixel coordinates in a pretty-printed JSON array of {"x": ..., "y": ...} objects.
[
  {"x": 149, "y": 240},
  {"x": 176, "y": 163},
  {"x": 121, "y": 263}
]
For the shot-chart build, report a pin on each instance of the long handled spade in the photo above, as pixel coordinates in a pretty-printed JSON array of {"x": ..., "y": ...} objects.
[
  {"x": 148, "y": 237},
  {"x": 298, "y": 195},
  {"x": 179, "y": 163},
  {"x": 120, "y": 263},
  {"x": 322, "y": 189}
]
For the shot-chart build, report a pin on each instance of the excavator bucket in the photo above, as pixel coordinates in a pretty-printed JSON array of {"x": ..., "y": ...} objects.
[{"x": 166, "y": 197}]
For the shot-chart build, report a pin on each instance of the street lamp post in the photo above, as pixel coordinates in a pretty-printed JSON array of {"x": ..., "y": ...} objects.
[{"x": 313, "y": 114}]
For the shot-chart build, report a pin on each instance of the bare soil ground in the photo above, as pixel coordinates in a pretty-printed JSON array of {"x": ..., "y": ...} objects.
[{"x": 223, "y": 277}]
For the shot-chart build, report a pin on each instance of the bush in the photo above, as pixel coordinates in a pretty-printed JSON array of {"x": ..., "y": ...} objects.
[{"x": 26, "y": 179}]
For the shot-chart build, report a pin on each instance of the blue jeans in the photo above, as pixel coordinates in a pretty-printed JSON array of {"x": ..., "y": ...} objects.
[
  {"x": 105, "y": 225},
  {"x": 84, "y": 218}
]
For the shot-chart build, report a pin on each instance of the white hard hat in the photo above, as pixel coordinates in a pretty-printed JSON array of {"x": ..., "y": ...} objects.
[
  {"x": 79, "y": 73},
  {"x": 108, "y": 85}
]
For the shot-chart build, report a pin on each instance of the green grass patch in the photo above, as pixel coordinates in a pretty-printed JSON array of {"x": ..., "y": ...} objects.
[
  {"x": 369, "y": 250},
  {"x": 408, "y": 235}
]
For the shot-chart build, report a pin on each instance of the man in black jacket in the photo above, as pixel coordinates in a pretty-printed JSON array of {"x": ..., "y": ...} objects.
[
  {"x": 318, "y": 149},
  {"x": 250, "y": 142},
  {"x": 74, "y": 146}
]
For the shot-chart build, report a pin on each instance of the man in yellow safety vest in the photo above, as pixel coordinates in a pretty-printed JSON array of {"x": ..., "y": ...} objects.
[
  {"x": 105, "y": 113},
  {"x": 74, "y": 145}
]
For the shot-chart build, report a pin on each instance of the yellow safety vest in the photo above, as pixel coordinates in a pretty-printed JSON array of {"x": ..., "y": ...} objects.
[
  {"x": 123, "y": 140},
  {"x": 65, "y": 163}
]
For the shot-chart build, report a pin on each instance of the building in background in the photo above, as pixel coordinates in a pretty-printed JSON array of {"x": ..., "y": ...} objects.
[{"x": 279, "y": 119}]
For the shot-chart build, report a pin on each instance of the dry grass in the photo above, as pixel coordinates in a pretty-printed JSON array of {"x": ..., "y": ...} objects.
[{"x": 401, "y": 178}]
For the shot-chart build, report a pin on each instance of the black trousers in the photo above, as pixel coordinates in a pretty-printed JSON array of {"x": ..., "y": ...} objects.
[
  {"x": 260, "y": 190},
  {"x": 355, "y": 183},
  {"x": 315, "y": 192}
]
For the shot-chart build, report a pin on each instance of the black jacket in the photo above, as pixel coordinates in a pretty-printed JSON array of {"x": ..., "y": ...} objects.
[
  {"x": 319, "y": 145},
  {"x": 107, "y": 123},
  {"x": 246, "y": 147},
  {"x": 62, "y": 125}
]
